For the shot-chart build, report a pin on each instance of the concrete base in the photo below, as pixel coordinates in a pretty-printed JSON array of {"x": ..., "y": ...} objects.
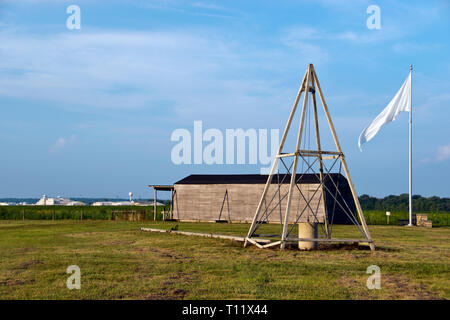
[{"x": 307, "y": 230}]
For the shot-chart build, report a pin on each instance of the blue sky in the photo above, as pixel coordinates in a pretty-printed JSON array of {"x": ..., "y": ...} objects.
[{"x": 90, "y": 112}]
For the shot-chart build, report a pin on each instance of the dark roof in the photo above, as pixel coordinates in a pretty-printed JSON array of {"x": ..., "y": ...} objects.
[
  {"x": 162, "y": 187},
  {"x": 248, "y": 178}
]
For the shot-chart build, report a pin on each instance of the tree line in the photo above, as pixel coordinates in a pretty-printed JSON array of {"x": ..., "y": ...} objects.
[{"x": 401, "y": 203}]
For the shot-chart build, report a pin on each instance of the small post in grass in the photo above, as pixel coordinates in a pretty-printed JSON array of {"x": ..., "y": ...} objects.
[
  {"x": 388, "y": 213},
  {"x": 154, "y": 206}
]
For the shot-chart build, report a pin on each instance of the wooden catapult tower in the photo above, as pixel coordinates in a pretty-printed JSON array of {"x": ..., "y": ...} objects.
[{"x": 312, "y": 209}]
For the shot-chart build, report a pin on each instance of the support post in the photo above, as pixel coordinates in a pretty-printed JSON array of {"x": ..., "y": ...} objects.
[
  {"x": 171, "y": 204},
  {"x": 154, "y": 206},
  {"x": 319, "y": 156},
  {"x": 344, "y": 164},
  {"x": 275, "y": 161},
  {"x": 294, "y": 167},
  {"x": 410, "y": 148}
]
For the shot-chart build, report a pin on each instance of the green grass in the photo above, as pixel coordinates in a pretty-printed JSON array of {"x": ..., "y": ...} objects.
[
  {"x": 441, "y": 219},
  {"x": 118, "y": 261},
  {"x": 74, "y": 212}
]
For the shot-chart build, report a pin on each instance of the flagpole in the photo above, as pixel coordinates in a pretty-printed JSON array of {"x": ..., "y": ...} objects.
[{"x": 410, "y": 148}]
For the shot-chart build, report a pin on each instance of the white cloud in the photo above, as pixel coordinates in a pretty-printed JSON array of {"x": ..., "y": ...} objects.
[
  {"x": 208, "y": 9},
  {"x": 61, "y": 143},
  {"x": 296, "y": 34},
  {"x": 443, "y": 153},
  {"x": 408, "y": 47},
  {"x": 177, "y": 73}
]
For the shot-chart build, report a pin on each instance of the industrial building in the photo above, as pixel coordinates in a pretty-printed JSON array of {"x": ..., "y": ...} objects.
[{"x": 45, "y": 201}]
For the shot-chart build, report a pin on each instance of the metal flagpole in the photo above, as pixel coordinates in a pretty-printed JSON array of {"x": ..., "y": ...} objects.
[{"x": 410, "y": 146}]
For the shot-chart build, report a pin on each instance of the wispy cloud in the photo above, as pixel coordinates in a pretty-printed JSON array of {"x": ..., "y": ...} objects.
[
  {"x": 197, "y": 8},
  {"x": 170, "y": 72},
  {"x": 408, "y": 47},
  {"x": 300, "y": 33},
  {"x": 61, "y": 143},
  {"x": 443, "y": 153}
]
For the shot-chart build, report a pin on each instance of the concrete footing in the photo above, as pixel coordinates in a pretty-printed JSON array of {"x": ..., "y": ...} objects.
[{"x": 307, "y": 230}]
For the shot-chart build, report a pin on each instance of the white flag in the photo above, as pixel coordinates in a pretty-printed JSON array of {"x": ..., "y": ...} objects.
[{"x": 401, "y": 102}]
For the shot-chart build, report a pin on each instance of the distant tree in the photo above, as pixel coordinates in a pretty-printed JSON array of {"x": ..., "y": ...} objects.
[{"x": 401, "y": 203}]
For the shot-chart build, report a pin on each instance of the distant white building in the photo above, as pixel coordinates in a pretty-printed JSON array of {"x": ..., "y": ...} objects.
[
  {"x": 4, "y": 204},
  {"x": 102, "y": 203},
  {"x": 148, "y": 203},
  {"x": 44, "y": 201},
  {"x": 111, "y": 203},
  {"x": 123, "y": 203},
  {"x": 75, "y": 203}
]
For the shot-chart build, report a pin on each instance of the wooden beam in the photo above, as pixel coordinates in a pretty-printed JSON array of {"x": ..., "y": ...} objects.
[
  {"x": 205, "y": 235},
  {"x": 308, "y": 153},
  {"x": 272, "y": 244},
  {"x": 324, "y": 240},
  {"x": 330, "y": 157},
  {"x": 275, "y": 162},
  {"x": 319, "y": 157},
  {"x": 284, "y": 155},
  {"x": 154, "y": 206},
  {"x": 294, "y": 167},
  {"x": 344, "y": 164},
  {"x": 252, "y": 241},
  {"x": 319, "y": 152},
  {"x": 171, "y": 204}
]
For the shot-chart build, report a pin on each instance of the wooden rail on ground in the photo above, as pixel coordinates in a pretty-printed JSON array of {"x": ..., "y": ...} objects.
[{"x": 206, "y": 235}]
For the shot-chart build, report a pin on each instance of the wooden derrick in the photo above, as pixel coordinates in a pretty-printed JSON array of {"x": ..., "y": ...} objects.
[{"x": 309, "y": 86}]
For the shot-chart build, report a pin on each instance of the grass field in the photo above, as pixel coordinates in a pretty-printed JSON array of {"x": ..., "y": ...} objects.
[
  {"x": 75, "y": 212},
  {"x": 118, "y": 261},
  {"x": 377, "y": 217}
]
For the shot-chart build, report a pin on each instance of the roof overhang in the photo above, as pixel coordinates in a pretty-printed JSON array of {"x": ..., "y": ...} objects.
[{"x": 160, "y": 187}]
